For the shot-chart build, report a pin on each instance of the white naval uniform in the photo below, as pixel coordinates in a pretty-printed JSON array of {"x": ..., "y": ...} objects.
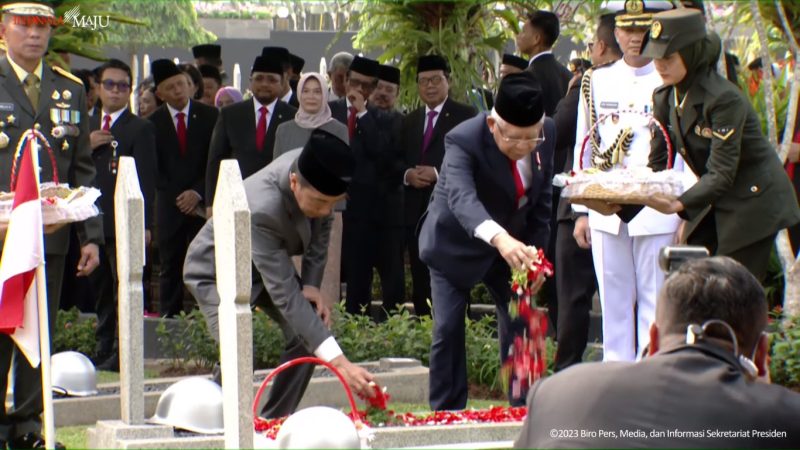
[{"x": 625, "y": 255}]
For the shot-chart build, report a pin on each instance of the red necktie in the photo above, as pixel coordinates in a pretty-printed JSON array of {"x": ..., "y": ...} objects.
[
  {"x": 181, "y": 133},
  {"x": 351, "y": 122},
  {"x": 520, "y": 188},
  {"x": 261, "y": 129},
  {"x": 106, "y": 122}
]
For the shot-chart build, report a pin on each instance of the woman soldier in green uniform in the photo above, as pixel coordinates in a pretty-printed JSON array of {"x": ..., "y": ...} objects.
[{"x": 743, "y": 196}]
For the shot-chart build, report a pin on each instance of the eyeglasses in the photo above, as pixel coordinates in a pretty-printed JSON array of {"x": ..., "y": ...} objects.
[
  {"x": 366, "y": 85},
  {"x": 434, "y": 80},
  {"x": 518, "y": 142},
  {"x": 109, "y": 85}
]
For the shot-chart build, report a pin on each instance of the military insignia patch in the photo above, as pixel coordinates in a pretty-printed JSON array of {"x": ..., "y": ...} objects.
[
  {"x": 634, "y": 6},
  {"x": 6, "y": 106},
  {"x": 655, "y": 30},
  {"x": 56, "y": 95},
  {"x": 11, "y": 119},
  {"x": 66, "y": 94},
  {"x": 723, "y": 133},
  {"x": 3, "y": 139}
]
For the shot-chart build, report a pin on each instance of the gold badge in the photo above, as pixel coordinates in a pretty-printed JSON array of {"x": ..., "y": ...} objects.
[
  {"x": 65, "y": 146},
  {"x": 66, "y": 94},
  {"x": 655, "y": 30},
  {"x": 11, "y": 119},
  {"x": 634, "y": 6},
  {"x": 706, "y": 133},
  {"x": 55, "y": 96},
  {"x": 62, "y": 105},
  {"x": 3, "y": 139}
]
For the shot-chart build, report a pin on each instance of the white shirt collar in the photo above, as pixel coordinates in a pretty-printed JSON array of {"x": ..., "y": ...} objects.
[
  {"x": 637, "y": 71},
  {"x": 288, "y": 96},
  {"x": 438, "y": 108},
  {"x": 185, "y": 110},
  {"x": 114, "y": 116},
  {"x": 270, "y": 108},
  {"x": 22, "y": 73},
  {"x": 546, "y": 52}
]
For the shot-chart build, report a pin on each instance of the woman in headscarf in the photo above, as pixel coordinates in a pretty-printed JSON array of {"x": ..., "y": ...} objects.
[
  {"x": 314, "y": 112},
  {"x": 227, "y": 95},
  {"x": 743, "y": 196}
]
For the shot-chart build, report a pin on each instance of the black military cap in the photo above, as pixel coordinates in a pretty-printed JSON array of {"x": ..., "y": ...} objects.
[
  {"x": 432, "y": 62},
  {"x": 163, "y": 69},
  {"x": 327, "y": 163},
  {"x": 515, "y": 61},
  {"x": 672, "y": 31},
  {"x": 268, "y": 65},
  {"x": 519, "y": 99},
  {"x": 210, "y": 51},
  {"x": 389, "y": 74},
  {"x": 297, "y": 63},
  {"x": 365, "y": 66},
  {"x": 280, "y": 54}
]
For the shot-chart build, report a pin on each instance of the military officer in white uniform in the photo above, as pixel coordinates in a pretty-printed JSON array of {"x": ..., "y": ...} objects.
[{"x": 625, "y": 254}]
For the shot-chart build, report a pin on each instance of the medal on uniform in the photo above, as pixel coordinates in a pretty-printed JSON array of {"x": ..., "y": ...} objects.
[
  {"x": 65, "y": 146},
  {"x": 76, "y": 116},
  {"x": 64, "y": 116},
  {"x": 11, "y": 119},
  {"x": 113, "y": 162},
  {"x": 66, "y": 94},
  {"x": 3, "y": 136},
  {"x": 707, "y": 133},
  {"x": 615, "y": 118},
  {"x": 56, "y": 96},
  {"x": 55, "y": 116}
]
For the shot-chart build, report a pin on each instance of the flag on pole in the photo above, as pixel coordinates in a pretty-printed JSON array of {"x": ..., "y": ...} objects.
[{"x": 23, "y": 252}]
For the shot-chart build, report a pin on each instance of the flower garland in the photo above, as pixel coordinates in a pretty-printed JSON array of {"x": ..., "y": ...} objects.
[{"x": 527, "y": 354}]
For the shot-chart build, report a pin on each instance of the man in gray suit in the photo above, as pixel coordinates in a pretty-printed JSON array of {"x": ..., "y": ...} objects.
[
  {"x": 704, "y": 384},
  {"x": 291, "y": 201}
]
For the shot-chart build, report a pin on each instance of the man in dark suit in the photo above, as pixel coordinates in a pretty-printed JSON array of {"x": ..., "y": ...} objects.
[
  {"x": 490, "y": 204},
  {"x": 291, "y": 202},
  {"x": 117, "y": 132},
  {"x": 282, "y": 56},
  {"x": 706, "y": 374},
  {"x": 183, "y": 134},
  {"x": 423, "y": 146},
  {"x": 369, "y": 214},
  {"x": 246, "y": 130},
  {"x": 33, "y": 92},
  {"x": 538, "y": 35}
]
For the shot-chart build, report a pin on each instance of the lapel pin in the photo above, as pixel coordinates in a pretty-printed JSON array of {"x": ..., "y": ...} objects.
[
  {"x": 11, "y": 119},
  {"x": 706, "y": 133},
  {"x": 65, "y": 146},
  {"x": 66, "y": 94},
  {"x": 56, "y": 95}
]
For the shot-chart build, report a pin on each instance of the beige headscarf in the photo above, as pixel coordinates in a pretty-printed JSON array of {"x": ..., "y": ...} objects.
[{"x": 305, "y": 119}]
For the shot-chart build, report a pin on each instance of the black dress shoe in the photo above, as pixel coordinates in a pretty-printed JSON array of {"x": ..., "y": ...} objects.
[
  {"x": 111, "y": 364},
  {"x": 31, "y": 440}
]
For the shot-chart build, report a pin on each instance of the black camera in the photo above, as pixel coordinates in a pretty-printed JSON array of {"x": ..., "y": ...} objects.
[{"x": 672, "y": 257}]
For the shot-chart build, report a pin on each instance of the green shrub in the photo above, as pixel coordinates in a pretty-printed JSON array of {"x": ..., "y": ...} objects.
[
  {"x": 188, "y": 341},
  {"x": 784, "y": 366},
  {"x": 71, "y": 333}
]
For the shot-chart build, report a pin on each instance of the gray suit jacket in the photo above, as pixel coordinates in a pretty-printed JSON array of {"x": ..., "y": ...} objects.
[
  {"x": 695, "y": 390},
  {"x": 279, "y": 231}
]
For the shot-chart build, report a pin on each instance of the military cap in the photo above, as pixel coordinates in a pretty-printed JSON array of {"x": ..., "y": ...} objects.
[
  {"x": 327, "y": 163},
  {"x": 38, "y": 9},
  {"x": 515, "y": 61},
  {"x": 389, "y": 74},
  {"x": 636, "y": 13},
  {"x": 365, "y": 66},
  {"x": 210, "y": 51},
  {"x": 519, "y": 99},
  {"x": 672, "y": 31}
]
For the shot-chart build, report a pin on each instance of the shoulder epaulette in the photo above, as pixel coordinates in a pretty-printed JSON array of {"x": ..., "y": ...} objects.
[{"x": 66, "y": 74}]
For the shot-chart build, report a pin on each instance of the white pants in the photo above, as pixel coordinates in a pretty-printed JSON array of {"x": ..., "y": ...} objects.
[{"x": 627, "y": 275}]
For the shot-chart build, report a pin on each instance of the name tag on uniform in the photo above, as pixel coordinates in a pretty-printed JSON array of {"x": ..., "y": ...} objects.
[
  {"x": 6, "y": 106},
  {"x": 609, "y": 105}
]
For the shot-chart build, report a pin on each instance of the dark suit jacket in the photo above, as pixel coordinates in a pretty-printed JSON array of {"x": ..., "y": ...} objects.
[
  {"x": 235, "y": 137},
  {"x": 177, "y": 173},
  {"x": 475, "y": 185},
  {"x": 72, "y": 155},
  {"x": 453, "y": 113},
  {"x": 554, "y": 78},
  {"x": 136, "y": 137},
  {"x": 566, "y": 118},
  {"x": 378, "y": 161},
  {"x": 740, "y": 177},
  {"x": 688, "y": 389}
]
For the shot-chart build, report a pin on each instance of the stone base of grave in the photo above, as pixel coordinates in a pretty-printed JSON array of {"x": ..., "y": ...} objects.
[
  {"x": 114, "y": 433},
  {"x": 439, "y": 435}
]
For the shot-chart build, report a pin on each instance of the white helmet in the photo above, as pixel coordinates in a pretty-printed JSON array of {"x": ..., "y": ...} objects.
[
  {"x": 193, "y": 404},
  {"x": 73, "y": 374},
  {"x": 331, "y": 429}
]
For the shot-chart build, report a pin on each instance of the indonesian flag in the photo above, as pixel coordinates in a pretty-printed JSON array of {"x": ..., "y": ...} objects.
[{"x": 23, "y": 252}]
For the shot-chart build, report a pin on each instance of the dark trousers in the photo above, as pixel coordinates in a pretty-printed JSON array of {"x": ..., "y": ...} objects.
[
  {"x": 550, "y": 288},
  {"x": 76, "y": 292},
  {"x": 28, "y": 403},
  {"x": 420, "y": 276},
  {"x": 104, "y": 280},
  {"x": 576, "y": 284},
  {"x": 448, "y": 360},
  {"x": 369, "y": 245},
  {"x": 172, "y": 244}
]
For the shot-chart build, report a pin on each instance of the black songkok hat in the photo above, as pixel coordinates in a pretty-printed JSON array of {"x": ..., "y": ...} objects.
[
  {"x": 432, "y": 62},
  {"x": 210, "y": 51},
  {"x": 365, "y": 66},
  {"x": 297, "y": 63},
  {"x": 327, "y": 163},
  {"x": 263, "y": 64},
  {"x": 208, "y": 71},
  {"x": 279, "y": 54},
  {"x": 519, "y": 100},
  {"x": 515, "y": 61},
  {"x": 389, "y": 74},
  {"x": 163, "y": 69}
]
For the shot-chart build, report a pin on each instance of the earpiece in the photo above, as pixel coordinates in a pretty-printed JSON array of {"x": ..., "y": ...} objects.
[{"x": 696, "y": 333}]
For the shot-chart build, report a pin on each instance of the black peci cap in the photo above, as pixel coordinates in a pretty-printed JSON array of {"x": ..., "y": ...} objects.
[
  {"x": 327, "y": 163},
  {"x": 519, "y": 100}
]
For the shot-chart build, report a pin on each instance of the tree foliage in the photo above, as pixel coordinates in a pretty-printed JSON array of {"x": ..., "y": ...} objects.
[{"x": 167, "y": 23}]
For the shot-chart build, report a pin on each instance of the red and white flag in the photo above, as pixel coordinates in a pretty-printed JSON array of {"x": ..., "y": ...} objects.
[{"x": 23, "y": 252}]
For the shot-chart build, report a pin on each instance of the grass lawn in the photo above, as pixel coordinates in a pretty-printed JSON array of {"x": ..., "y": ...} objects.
[{"x": 75, "y": 437}]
